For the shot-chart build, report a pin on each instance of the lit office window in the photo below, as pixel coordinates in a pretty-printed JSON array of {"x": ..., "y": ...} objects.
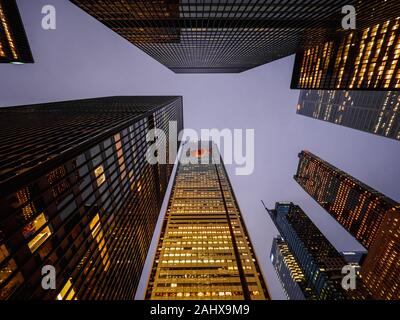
[
  {"x": 31, "y": 228},
  {"x": 100, "y": 176},
  {"x": 67, "y": 292}
]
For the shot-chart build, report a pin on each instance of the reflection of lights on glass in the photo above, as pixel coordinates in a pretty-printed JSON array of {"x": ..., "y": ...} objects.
[{"x": 199, "y": 153}]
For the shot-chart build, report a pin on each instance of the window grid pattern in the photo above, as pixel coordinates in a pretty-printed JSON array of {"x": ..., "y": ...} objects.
[
  {"x": 367, "y": 58},
  {"x": 319, "y": 261},
  {"x": 289, "y": 271},
  {"x": 195, "y": 36},
  {"x": 204, "y": 251},
  {"x": 381, "y": 267},
  {"x": 376, "y": 112},
  {"x": 356, "y": 206},
  {"x": 93, "y": 216}
]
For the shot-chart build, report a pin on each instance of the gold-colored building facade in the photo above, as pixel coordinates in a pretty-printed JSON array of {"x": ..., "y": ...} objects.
[
  {"x": 381, "y": 268},
  {"x": 365, "y": 59},
  {"x": 359, "y": 208},
  {"x": 204, "y": 251}
]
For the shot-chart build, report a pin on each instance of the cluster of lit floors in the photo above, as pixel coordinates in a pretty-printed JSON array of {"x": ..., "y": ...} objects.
[{"x": 204, "y": 250}]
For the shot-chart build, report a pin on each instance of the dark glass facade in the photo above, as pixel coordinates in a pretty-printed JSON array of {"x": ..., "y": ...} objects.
[
  {"x": 204, "y": 250},
  {"x": 14, "y": 46},
  {"x": 366, "y": 58},
  {"x": 376, "y": 112},
  {"x": 78, "y": 194},
  {"x": 320, "y": 263},
  {"x": 356, "y": 206},
  {"x": 288, "y": 270},
  {"x": 190, "y": 36}
]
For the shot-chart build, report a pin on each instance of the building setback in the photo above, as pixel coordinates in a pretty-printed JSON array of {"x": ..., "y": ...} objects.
[
  {"x": 204, "y": 250},
  {"x": 218, "y": 36},
  {"x": 79, "y": 195},
  {"x": 376, "y": 112},
  {"x": 14, "y": 46}
]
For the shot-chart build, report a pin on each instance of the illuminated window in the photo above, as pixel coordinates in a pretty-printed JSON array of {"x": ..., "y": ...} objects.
[
  {"x": 8, "y": 34},
  {"x": 5, "y": 273},
  {"x": 31, "y": 228},
  {"x": 100, "y": 176},
  {"x": 97, "y": 234},
  {"x": 67, "y": 293}
]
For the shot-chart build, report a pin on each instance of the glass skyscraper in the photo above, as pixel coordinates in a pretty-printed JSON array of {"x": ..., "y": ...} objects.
[
  {"x": 204, "y": 251},
  {"x": 356, "y": 206},
  {"x": 381, "y": 268},
  {"x": 288, "y": 270},
  {"x": 78, "y": 194},
  {"x": 191, "y": 36},
  {"x": 317, "y": 269},
  {"x": 372, "y": 218},
  {"x": 366, "y": 58},
  {"x": 14, "y": 46},
  {"x": 376, "y": 112}
]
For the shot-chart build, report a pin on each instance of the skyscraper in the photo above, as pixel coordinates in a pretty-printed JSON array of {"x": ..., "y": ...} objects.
[
  {"x": 366, "y": 58},
  {"x": 320, "y": 273},
  {"x": 78, "y": 194},
  {"x": 375, "y": 112},
  {"x": 289, "y": 271},
  {"x": 189, "y": 36},
  {"x": 204, "y": 251},
  {"x": 356, "y": 206},
  {"x": 14, "y": 46},
  {"x": 381, "y": 268}
]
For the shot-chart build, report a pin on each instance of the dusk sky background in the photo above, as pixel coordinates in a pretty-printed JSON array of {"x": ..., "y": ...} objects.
[{"x": 84, "y": 59}]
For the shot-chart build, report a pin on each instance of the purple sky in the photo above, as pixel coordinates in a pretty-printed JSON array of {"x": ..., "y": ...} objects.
[{"x": 83, "y": 59}]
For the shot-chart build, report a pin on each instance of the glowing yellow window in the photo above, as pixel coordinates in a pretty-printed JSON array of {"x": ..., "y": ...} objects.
[
  {"x": 97, "y": 234},
  {"x": 32, "y": 227},
  {"x": 5, "y": 271},
  {"x": 100, "y": 176},
  {"x": 66, "y": 293}
]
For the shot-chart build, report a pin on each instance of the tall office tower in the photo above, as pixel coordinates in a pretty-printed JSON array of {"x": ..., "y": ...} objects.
[
  {"x": 204, "y": 251},
  {"x": 366, "y": 58},
  {"x": 381, "y": 268},
  {"x": 228, "y": 36},
  {"x": 356, "y": 206},
  {"x": 321, "y": 264},
  {"x": 14, "y": 46},
  {"x": 375, "y": 112},
  {"x": 289, "y": 272},
  {"x": 78, "y": 194}
]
